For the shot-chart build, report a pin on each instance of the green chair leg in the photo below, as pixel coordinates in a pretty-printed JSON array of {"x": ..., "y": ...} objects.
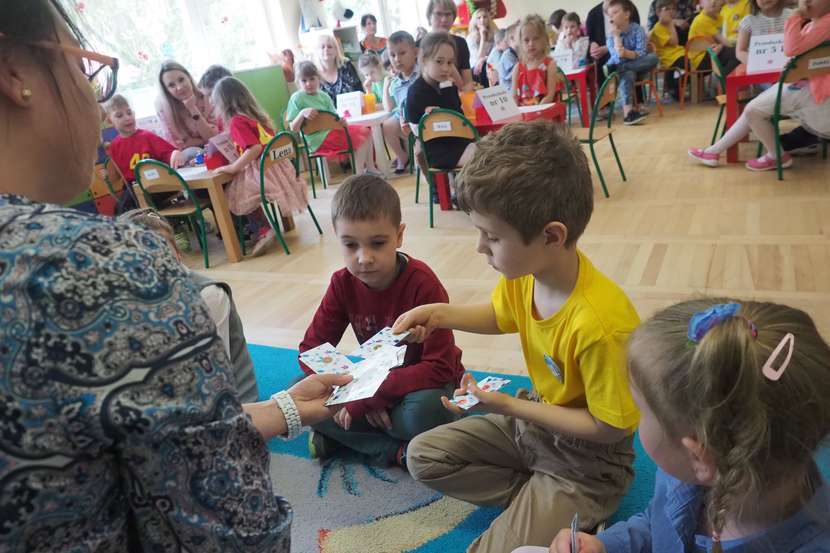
[
  {"x": 617, "y": 157},
  {"x": 321, "y": 171},
  {"x": 717, "y": 125},
  {"x": 431, "y": 183},
  {"x": 272, "y": 216},
  {"x": 311, "y": 177},
  {"x": 201, "y": 236},
  {"x": 599, "y": 170},
  {"x": 778, "y": 152},
  {"x": 417, "y": 183},
  {"x": 314, "y": 218},
  {"x": 824, "y": 148}
]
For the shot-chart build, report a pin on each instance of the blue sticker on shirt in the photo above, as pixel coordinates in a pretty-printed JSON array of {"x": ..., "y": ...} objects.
[{"x": 557, "y": 372}]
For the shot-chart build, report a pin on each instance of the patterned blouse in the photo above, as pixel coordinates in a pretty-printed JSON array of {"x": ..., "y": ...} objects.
[
  {"x": 347, "y": 81},
  {"x": 119, "y": 425}
]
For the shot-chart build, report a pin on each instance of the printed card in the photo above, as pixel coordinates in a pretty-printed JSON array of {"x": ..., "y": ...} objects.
[
  {"x": 383, "y": 338},
  {"x": 365, "y": 383},
  {"x": 488, "y": 384},
  {"x": 325, "y": 359}
]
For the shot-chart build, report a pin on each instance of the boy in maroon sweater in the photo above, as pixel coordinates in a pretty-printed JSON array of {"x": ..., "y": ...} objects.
[{"x": 378, "y": 284}]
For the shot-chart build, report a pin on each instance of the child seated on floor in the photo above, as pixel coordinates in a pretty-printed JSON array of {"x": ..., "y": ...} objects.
[
  {"x": 403, "y": 55},
  {"x": 735, "y": 401},
  {"x": 133, "y": 144},
  {"x": 666, "y": 39},
  {"x": 708, "y": 23},
  {"x": 376, "y": 286},
  {"x": 571, "y": 42},
  {"x": 767, "y": 18},
  {"x": 568, "y": 447},
  {"x": 535, "y": 78},
  {"x": 629, "y": 56},
  {"x": 307, "y": 102},
  {"x": 217, "y": 296},
  {"x": 251, "y": 129},
  {"x": 435, "y": 89}
]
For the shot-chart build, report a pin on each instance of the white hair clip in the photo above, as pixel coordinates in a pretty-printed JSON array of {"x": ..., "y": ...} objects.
[{"x": 773, "y": 373}]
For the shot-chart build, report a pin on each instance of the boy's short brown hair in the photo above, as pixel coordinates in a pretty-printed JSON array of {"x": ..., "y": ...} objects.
[
  {"x": 365, "y": 198},
  {"x": 530, "y": 174},
  {"x": 626, "y": 5},
  {"x": 117, "y": 101},
  {"x": 660, "y": 4}
]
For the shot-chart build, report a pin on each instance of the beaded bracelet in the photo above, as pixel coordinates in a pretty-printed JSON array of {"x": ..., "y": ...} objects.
[{"x": 292, "y": 416}]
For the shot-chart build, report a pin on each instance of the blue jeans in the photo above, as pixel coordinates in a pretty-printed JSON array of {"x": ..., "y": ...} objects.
[
  {"x": 629, "y": 69},
  {"x": 416, "y": 413}
]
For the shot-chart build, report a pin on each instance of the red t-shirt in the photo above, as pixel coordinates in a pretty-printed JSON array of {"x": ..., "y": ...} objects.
[
  {"x": 432, "y": 364},
  {"x": 127, "y": 152},
  {"x": 247, "y": 132}
]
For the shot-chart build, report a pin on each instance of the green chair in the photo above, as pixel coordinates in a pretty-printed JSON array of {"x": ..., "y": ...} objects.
[
  {"x": 282, "y": 146},
  {"x": 301, "y": 149},
  {"x": 324, "y": 121},
  {"x": 441, "y": 123},
  {"x": 153, "y": 177},
  {"x": 569, "y": 97},
  {"x": 607, "y": 96},
  {"x": 809, "y": 64},
  {"x": 720, "y": 79},
  {"x": 113, "y": 174}
]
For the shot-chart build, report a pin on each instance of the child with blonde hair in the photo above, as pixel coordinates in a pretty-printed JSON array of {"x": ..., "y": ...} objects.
[
  {"x": 807, "y": 102},
  {"x": 480, "y": 41},
  {"x": 535, "y": 79},
  {"x": 371, "y": 66},
  {"x": 250, "y": 129},
  {"x": 734, "y": 399}
]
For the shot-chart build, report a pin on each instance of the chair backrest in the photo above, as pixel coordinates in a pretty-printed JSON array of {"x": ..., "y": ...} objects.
[
  {"x": 810, "y": 64},
  {"x": 607, "y": 95},
  {"x": 154, "y": 176},
  {"x": 112, "y": 174},
  {"x": 696, "y": 45},
  {"x": 445, "y": 123},
  {"x": 282, "y": 146},
  {"x": 324, "y": 121},
  {"x": 717, "y": 70},
  {"x": 564, "y": 78}
]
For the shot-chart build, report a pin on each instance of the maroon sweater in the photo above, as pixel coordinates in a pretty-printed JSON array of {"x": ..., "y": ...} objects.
[{"x": 433, "y": 364}]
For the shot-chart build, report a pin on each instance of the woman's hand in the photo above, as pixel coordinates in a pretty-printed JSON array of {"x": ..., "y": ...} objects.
[
  {"x": 190, "y": 104},
  {"x": 310, "y": 395},
  {"x": 587, "y": 543}
]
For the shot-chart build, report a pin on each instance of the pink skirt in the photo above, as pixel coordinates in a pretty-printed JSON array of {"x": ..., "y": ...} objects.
[
  {"x": 282, "y": 186},
  {"x": 336, "y": 142}
]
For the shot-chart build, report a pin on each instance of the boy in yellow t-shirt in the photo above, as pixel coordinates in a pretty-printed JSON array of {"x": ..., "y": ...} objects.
[
  {"x": 667, "y": 42},
  {"x": 731, "y": 14},
  {"x": 708, "y": 23},
  {"x": 568, "y": 447}
]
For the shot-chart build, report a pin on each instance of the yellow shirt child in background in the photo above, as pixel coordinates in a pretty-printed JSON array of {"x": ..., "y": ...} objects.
[
  {"x": 707, "y": 22},
  {"x": 731, "y": 15}
]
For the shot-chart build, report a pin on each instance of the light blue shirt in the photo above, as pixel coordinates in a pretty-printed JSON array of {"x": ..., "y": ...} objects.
[
  {"x": 508, "y": 61},
  {"x": 670, "y": 522},
  {"x": 634, "y": 39},
  {"x": 399, "y": 87}
]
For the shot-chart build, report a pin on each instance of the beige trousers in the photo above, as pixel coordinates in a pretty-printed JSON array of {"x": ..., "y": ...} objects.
[{"x": 541, "y": 478}]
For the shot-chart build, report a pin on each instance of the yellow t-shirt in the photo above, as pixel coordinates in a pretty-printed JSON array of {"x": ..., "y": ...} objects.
[
  {"x": 731, "y": 16},
  {"x": 703, "y": 25},
  {"x": 577, "y": 357},
  {"x": 668, "y": 54}
]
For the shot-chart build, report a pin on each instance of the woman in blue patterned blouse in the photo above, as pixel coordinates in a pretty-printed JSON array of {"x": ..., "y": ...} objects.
[{"x": 119, "y": 425}]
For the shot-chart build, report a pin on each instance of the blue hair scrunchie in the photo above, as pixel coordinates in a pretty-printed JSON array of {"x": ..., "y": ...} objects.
[{"x": 703, "y": 321}]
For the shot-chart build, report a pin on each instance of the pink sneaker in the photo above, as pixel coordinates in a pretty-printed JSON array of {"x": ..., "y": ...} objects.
[
  {"x": 767, "y": 163},
  {"x": 700, "y": 155}
]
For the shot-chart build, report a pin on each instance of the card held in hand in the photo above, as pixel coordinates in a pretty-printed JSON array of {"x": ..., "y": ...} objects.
[
  {"x": 487, "y": 384},
  {"x": 325, "y": 359},
  {"x": 383, "y": 338}
]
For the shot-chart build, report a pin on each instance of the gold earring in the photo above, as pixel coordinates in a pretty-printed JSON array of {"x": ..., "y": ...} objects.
[{"x": 26, "y": 93}]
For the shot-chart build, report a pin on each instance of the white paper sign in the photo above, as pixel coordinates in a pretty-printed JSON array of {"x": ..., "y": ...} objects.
[
  {"x": 766, "y": 53},
  {"x": 150, "y": 174},
  {"x": 819, "y": 63},
  {"x": 225, "y": 146},
  {"x": 499, "y": 104},
  {"x": 350, "y": 104},
  {"x": 565, "y": 61},
  {"x": 281, "y": 152}
]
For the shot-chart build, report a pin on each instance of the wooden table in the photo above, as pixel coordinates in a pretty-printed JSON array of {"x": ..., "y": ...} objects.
[
  {"x": 375, "y": 121},
  {"x": 200, "y": 178},
  {"x": 735, "y": 81},
  {"x": 585, "y": 79}
]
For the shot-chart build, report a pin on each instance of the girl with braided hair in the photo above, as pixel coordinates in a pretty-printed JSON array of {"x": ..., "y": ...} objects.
[{"x": 734, "y": 401}]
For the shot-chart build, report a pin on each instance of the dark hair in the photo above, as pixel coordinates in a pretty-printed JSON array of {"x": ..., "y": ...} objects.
[
  {"x": 660, "y": 4},
  {"x": 365, "y": 198},
  {"x": 212, "y": 75},
  {"x": 401, "y": 36},
  {"x": 555, "y": 19},
  {"x": 366, "y": 18},
  {"x": 306, "y": 70},
  {"x": 573, "y": 17},
  {"x": 180, "y": 114},
  {"x": 430, "y": 45},
  {"x": 626, "y": 5},
  {"x": 528, "y": 175}
]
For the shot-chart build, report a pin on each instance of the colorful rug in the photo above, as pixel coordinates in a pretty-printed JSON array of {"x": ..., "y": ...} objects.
[{"x": 345, "y": 505}]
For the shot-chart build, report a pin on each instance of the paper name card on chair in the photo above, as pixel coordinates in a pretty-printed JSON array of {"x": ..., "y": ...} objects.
[
  {"x": 350, "y": 104},
  {"x": 223, "y": 143},
  {"x": 281, "y": 152},
  {"x": 766, "y": 54},
  {"x": 499, "y": 104}
]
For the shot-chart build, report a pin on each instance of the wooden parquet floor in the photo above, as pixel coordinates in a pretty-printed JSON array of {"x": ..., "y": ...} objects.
[{"x": 673, "y": 231}]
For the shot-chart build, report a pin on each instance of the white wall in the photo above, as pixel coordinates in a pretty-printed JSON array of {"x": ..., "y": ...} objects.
[{"x": 519, "y": 8}]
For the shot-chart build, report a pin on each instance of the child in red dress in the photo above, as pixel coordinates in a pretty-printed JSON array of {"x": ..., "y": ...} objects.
[{"x": 535, "y": 79}]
